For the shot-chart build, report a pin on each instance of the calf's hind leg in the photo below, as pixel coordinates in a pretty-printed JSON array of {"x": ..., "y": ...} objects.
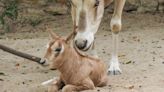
[
  {"x": 86, "y": 85},
  {"x": 56, "y": 85},
  {"x": 53, "y": 88},
  {"x": 104, "y": 82}
]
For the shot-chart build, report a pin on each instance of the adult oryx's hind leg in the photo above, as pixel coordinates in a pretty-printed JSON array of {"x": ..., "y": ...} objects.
[{"x": 116, "y": 27}]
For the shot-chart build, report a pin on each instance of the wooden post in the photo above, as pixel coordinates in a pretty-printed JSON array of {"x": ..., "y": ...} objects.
[{"x": 21, "y": 54}]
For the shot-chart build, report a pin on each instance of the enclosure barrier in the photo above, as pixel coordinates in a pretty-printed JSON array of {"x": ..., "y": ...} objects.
[{"x": 23, "y": 55}]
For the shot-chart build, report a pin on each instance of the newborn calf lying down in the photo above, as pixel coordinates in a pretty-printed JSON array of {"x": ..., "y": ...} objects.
[{"x": 78, "y": 72}]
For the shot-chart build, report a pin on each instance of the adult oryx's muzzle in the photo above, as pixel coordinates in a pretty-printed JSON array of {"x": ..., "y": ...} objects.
[
  {"x": 84, "y": 40},
  {"x": 80, "y": 43}
]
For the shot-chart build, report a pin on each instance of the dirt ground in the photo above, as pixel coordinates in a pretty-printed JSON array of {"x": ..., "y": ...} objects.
[{"x": 141, "y": 54}]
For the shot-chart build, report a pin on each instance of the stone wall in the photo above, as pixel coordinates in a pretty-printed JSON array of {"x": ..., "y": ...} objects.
[{"x": 145, "y": 5}]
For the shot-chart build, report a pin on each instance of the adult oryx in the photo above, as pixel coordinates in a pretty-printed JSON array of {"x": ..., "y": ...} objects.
[{"x": 86, "y": 16}]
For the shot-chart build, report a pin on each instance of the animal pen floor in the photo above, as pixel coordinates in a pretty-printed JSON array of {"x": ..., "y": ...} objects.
[{"x": 141, "y": 54}]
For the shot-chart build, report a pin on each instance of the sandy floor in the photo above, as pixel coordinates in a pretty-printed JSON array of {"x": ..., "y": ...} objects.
[{"x": 141, "y": 54}]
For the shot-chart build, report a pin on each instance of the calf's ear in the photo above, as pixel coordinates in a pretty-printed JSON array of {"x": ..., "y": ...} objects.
[
  {"x": 70, "y": 36},
  {"x": 51, "y": 33}
]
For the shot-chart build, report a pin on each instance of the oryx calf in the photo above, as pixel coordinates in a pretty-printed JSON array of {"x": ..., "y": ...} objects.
[{"x": 78, "y": 72}]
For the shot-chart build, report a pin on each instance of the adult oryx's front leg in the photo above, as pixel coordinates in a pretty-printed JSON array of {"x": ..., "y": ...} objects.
[{"x": 116, "y": 27}]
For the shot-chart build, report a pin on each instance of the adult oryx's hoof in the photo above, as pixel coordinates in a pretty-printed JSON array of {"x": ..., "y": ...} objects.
[
  {"x": 114, "y": 69},
  {"x": 114, "y": 72}
]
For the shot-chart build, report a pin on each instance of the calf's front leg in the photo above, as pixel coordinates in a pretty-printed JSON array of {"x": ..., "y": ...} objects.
[{"x": 56, "y": 85}]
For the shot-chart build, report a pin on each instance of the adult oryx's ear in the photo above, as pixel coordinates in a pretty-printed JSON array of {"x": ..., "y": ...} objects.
[
  {"x": 70, "y": 36},
  {"x": 51, "y": 33}
]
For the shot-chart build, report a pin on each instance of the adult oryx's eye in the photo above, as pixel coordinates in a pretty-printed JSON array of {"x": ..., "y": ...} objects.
[{"x": 97, "y": 3}]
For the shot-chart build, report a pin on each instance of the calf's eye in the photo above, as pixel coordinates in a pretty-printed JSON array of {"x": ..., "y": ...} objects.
[{"x": 58, "y": 49}]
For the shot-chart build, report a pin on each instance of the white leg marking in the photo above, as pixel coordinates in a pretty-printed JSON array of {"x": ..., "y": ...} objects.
[
  {"x": 50, "y": 82},
  {"x": 114, "y": 63}
]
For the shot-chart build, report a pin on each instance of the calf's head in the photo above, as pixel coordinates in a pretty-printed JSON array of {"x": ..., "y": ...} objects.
[{"x": 56, "y": 47}]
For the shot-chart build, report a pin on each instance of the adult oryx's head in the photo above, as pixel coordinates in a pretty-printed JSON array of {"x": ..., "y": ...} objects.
[{"x": 86, "y": 15}]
